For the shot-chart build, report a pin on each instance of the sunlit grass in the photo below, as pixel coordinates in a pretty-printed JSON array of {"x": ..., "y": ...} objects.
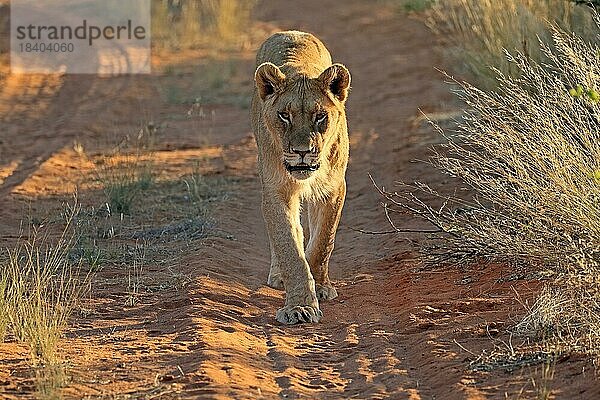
[
  {"x": 42, "y": 288},
  {"x": 480, "y": 31}
]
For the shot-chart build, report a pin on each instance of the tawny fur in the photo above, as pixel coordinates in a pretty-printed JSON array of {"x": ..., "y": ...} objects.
[{"x": 295, "y": 76}]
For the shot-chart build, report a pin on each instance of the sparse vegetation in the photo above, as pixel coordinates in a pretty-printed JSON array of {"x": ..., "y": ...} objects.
[
  {"x": 205, "y": 23},
  {"x": 126, "y": 173},
  {"x": 49, "y": 379},
  {"x": 543, "y": 382},
  {"x": 417, "y": 5},
  {"x": 179, "y": 306},
  {"x": 42, "y": 290},
  {"x": 566, "y": 313},
  {"x": 197, "y": 187},
  {"x": 122, "y": 184},
  {"x": 479, "y": 31},
  {"x": 529, "y": 152}
]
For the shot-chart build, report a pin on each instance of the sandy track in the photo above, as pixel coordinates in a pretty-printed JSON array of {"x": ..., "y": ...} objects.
[
  {"x": 367, "y": 345},
  {"x": 393, "y": 331}
]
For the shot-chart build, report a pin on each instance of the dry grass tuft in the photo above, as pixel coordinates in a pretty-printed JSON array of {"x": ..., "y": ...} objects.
[
  {"x": 127, "y": 171},
  {"x": 567, "y": 313},
  {"x": 42, "y": 288},
  {"x": 501, "y": 359},
  {"x": 49, "y": 380},
  {"x": 529, "y": 153}
]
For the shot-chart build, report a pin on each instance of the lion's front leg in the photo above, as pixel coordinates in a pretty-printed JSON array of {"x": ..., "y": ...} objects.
[
  {"x": 324, "y": 217},
  {"x": 282, "y": 217},
  {"x": 274, "y": 280}
]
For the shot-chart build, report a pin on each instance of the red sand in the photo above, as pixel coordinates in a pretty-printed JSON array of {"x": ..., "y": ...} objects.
[{"x": 394, "y": 332}]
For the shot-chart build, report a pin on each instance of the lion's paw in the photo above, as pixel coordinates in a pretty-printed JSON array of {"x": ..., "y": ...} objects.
[
  {"x": 326, "y": 292},
  {"x": 290, "y": 315},
  {"x": 275, "y": 281}
]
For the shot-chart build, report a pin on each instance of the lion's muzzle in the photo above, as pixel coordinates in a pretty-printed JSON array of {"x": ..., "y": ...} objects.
[{"x": 301, "y": 161}]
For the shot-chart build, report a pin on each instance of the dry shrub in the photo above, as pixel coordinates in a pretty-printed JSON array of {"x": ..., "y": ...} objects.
[
  {"x": 529, "y": 153},
  {"x": 479, "y": 30}
]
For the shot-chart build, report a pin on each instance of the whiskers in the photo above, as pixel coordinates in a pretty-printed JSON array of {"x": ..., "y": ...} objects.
[{"x": 295, "y": 159}]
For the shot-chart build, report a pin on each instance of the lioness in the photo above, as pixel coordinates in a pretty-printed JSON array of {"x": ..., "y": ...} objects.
[{"x": 299, "y": 121}]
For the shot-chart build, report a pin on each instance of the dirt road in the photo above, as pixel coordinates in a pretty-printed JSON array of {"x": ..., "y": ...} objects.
[{"x": 395, "y": 331}]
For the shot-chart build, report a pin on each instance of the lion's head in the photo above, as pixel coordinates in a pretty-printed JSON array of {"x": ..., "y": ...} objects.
[{"x": 302, "y": 113}]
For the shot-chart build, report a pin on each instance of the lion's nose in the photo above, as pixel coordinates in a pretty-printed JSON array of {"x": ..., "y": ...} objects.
[{"x": 302, "y": 152}]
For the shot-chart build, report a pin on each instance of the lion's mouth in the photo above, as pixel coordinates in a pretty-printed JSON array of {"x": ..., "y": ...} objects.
[{"x": 302, "y": 167}]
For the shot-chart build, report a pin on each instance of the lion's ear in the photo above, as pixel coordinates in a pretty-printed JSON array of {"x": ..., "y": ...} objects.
[
  {"x": 336, "y": 79},
  {"x": 268, "y": 77}
]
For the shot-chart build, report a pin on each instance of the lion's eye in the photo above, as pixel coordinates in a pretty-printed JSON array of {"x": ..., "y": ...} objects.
[
  {"x": 284, "y": 116},
  {"x": 320, "y": 117}
]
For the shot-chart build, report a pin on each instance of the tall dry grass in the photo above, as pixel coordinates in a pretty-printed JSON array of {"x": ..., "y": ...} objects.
[
  {"x": 529, "y": 152},
  {"x": 41, "y": 290},
  {"x": 479, "y": 31}
]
